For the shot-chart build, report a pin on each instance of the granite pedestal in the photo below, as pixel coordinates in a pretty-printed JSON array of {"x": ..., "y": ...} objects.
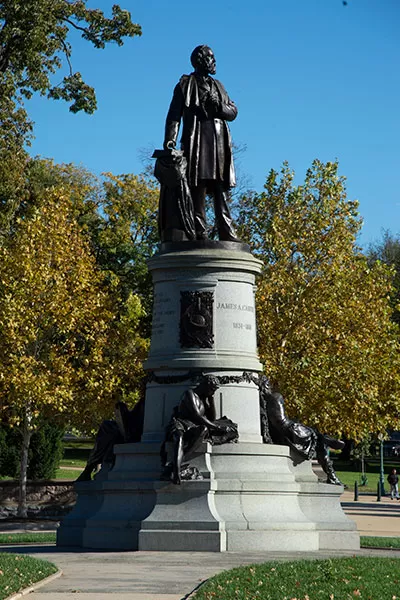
[{"x": 253, "y": 496}]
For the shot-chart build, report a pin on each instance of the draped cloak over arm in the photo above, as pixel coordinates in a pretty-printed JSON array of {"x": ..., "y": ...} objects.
[{"x": 185, "y": 105}]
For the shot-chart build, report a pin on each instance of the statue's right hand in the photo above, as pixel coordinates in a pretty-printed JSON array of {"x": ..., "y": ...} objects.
[
  {"x": 213, "y": 98},
  {"x": 169, "y": 145}
]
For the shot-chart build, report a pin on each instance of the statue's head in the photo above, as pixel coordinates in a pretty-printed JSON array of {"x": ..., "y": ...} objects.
[
  {"x": 264, "y": 384},
  {"x": 203, "y": 60},
  {"x": 208, "y": 385}
]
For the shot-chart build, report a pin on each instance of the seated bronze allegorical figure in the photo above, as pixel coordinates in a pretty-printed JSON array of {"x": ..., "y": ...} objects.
[
  {"x": 127, "y": 427},
  {"x": 192, "y": 423},
  {"x": 306, "y": 441}
]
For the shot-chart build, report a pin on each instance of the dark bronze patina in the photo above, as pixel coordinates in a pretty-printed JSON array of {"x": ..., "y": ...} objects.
[
  {"x": 196, "y": 324},
  {"x": 307, "y": 442},
  {"x": 204, "y": 107},
  {"x": 127, "y": 427},
  {"x": 193, "y": 422},
  {"x": 175, "y": 214}
]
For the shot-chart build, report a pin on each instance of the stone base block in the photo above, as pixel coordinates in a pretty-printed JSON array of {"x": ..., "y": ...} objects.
[
  {"x": 250, "y": 499},
  {"x": 339, "y": 540},
  {"x": 183, "y": 541},
  {"x": 277, "y": 540}
]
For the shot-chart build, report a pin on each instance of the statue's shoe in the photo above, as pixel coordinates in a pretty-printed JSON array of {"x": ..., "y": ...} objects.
[{"x": 333, "y": 442}]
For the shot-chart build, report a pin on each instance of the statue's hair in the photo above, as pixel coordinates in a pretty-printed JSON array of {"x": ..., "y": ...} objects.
[
  {"x": 197, "y": 54},
  {"x": 208, "y": 380}
]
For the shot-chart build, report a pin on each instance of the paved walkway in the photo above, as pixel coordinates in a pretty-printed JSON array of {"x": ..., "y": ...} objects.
[
  {"x": 174, "y": 575},
  {"x": 147, "y": 575},
  {"x": 373, "y": 518}
]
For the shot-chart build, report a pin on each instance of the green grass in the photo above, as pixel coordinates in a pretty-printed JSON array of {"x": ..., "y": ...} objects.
[
  {"x": 335, "y": 579},
  {"x": 67, "y": 474},
  {"x": 18, "y": 572},
  {"x": 379, "y": 542},
  {"x": 34, "y": 537},
  {"x": 79, "y": 444},
  {"x": 67, "y": 462},
  {"x": 349, "y": 472},
  {"x": 349, "y": 477}
]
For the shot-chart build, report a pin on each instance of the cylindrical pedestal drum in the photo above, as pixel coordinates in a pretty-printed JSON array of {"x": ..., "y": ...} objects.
[{"x": 203, "y": 323}]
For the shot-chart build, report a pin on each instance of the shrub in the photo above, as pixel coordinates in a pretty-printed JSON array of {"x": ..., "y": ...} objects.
[
  {"x": 10, "y": 448},
  {"x": 45, "y": 451}
]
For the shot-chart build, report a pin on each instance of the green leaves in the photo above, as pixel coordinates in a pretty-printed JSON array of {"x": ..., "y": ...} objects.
[
  {"x": 53, "y": 314},
  {"x": 75, "y": 293},
  {"x": 75, "y": 90},
  {"x": 387, "y": 251},
  {"x": 325, "y": 333},
  {"x": 98, "y": 29},
  {"x": 34, "y": 44}
]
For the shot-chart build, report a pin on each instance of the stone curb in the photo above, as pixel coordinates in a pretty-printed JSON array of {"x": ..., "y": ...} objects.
[
  {"x": 196, "y": 589},
  {"x": 35, "y": 586}
]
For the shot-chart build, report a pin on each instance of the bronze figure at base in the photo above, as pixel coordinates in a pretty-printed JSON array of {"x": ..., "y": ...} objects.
[
  {"x": 194, "y": 422},
  {"x": 307, "y": 442},
  {"x": 127, "y": 427}
]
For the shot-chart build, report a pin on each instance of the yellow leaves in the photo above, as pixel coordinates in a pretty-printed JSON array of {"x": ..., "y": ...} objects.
[
  {"x": 324, "y": 330},
  {"x": 55, "y": 313}
]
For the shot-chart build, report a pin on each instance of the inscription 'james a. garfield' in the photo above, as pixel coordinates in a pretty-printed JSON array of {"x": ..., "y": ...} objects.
[{"x": 233, "y": 306}]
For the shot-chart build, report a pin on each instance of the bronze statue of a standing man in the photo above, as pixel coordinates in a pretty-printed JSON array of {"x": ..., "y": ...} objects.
[{"x": 203, "y": 105}]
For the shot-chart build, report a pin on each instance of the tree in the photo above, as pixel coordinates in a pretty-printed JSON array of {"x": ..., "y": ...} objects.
[
  {"x": 108, "y": 220},
  {"x": 34, "y": 41},
  {"x": 129, "y": 235},
  {"x": 56, "y": 315},
  {"x": 325, "y": 334},
  {"x": 34, "y": 45},
  {"x": 387, "y": 251},
  {"x": 117, "y": 214}
]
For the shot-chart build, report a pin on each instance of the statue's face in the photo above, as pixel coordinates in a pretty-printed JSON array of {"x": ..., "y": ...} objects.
[
  {"x": 210, "y": 62},
  {"x": 208, "y": 386},
  {"x": 212, "y": 387},
  {"x": 206, "y": 62}
]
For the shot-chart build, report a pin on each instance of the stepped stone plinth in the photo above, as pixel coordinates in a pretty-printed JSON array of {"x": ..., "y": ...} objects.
[{"x": 253, "y": 496}]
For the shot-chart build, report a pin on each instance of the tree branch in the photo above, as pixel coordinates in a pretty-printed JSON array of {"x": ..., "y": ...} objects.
[
  {"x": 85, "y": 30},
  {"x": 67, "y": 54},
  {"x": 5, "y": 52}
]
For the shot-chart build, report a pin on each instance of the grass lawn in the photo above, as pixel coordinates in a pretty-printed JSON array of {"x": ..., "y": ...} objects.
[
  {"x": 349, "y": 477},
  {"x": 348, "y": 472},
  {"x": 334, "y": 579},
  {"x": 34, "y": 537},
  {"x": 74, "y": 456},
  {"x": 67, "y": 474},
  {"x": 18, "y": 572},
  {"x": 67, "y": 462},
  {"x": 379, "y": 542}
]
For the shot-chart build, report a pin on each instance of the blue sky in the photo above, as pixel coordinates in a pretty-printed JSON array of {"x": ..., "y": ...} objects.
[{"x": 311, "y": 78}]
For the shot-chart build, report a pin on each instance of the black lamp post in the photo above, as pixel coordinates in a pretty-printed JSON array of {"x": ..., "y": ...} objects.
[{"x": 382, "y": 470}]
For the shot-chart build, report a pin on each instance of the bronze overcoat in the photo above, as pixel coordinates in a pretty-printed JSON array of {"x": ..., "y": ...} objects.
[{"x": 185, "y": 106}]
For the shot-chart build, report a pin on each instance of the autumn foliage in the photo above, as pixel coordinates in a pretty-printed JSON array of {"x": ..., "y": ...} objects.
[
  {"x": 326, "y": 337},
  {"x": 54, "y": 317}
]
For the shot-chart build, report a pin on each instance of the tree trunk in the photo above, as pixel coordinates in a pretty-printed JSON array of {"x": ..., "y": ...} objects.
[{"x": 26, "y": 439}]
